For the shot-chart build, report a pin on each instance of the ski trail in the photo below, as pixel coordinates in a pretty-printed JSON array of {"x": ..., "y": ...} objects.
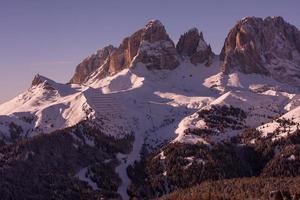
[
  {"x": 105, "y": 103},
  {"x": 125, "y": 161}
]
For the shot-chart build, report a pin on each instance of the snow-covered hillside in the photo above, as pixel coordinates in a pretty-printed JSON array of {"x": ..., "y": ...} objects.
[
  {"x": 282, "y": 126},
  {"x": 45, "y": 107},
  {"x": 147, "y": 103},
  {"x": 154, "y": 105}
]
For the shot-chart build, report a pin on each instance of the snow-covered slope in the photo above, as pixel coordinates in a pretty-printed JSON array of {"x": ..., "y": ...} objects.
[
  {"x": 248, "y": 100},
  {"x": 155, "y": 106},
  {"x": 146, "y": 103},
  {"x": 45, "y": 107},
  {"x": 152, "y": 100},
  {"x": 283, "y": 126}
]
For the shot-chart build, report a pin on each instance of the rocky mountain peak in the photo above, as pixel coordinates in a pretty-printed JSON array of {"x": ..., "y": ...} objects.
[
  {"x": 150, "y": 45},
  {"x": 154, "y": 23},
  {"x": 156, "y": 49},
  {"x": 193, "y": 45},
  {"x": 154, "y": 31},
  {"x": 38, "y": 79},
  {"x": 43, "y": 81},
  {"x": 267, "y": 46},
  {"x": 188, "y": 42}
]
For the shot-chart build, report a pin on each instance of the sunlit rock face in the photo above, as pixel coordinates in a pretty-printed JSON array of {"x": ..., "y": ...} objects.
[
  {"x": 124, "y": 54},
  {"x": 267, "y": 46},
  {"x": 150, "y": 45},
  {"x": 90, "y": 64},
  {"x": 193, "y": 45}
]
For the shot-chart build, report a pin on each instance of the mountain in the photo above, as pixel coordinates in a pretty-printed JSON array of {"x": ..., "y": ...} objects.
[
  {"x": 150, "y": 45},
  {"x": 267, "y": 46},
  {"x": 150, "y": 116}
]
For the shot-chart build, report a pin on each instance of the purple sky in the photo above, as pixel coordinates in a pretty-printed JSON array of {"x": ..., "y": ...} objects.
[{"x": 51, "y": 37}]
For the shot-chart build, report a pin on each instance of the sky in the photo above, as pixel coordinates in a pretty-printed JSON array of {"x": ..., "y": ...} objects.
[{"x": 52, "y": 37}]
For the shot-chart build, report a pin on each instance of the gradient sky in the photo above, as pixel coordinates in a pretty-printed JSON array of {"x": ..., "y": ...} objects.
[{"x": 51, "y": 37}]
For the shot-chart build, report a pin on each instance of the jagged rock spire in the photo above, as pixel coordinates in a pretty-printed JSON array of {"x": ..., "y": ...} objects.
[
  {"x": 193, "y": 45},
  {"x": 38, "y": 79}
]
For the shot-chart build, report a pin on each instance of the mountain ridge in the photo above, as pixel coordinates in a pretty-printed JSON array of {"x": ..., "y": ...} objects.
[{"x": 142, "y": 44}]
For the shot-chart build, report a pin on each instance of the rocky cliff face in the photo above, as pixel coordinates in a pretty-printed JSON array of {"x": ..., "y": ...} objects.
[
  {"x": 267, "y": 46},
  {"x": 150, "y": 45},
  {"x": 193, "y": 45},
  {"x": 124, "y": 54},
  {"x": 37, "y": 80},
  {"x": 90, "y": 64},
  {"x": 156, "y": 50}
]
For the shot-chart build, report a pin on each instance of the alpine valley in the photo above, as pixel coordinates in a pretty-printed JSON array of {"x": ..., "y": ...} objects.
[{"x": 153, "y": 119}]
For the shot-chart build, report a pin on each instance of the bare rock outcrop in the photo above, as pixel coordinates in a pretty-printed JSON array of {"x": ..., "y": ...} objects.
[
  {"x": 124, "y": 54},
  {"x": 37, "y": 80},
  {"x": 90, "y": 64},
  {"x": 41, "y": 80},
  {"x": 150, "y": 46},
  {"x": 193, "y": 45},
  {"x": 267, "y": 46}
]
